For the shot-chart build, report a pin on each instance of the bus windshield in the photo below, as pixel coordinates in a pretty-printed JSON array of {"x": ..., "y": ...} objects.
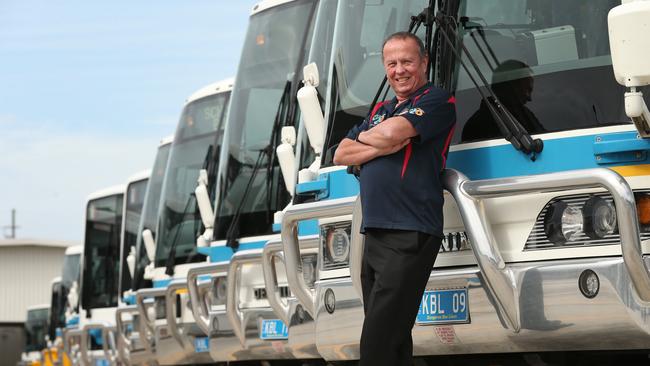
[
  {"x": 274, "y": 50},
  {"x": 361, "y": 29},
  {"x": 547, "y": 61},
  {"x": 149, "y": 214},
  {"x": 199, "y": 133},
  {"x": 36, "y": 328},
  {"x": 135, "y": 193},
  {"x": 102, "y": 252}
]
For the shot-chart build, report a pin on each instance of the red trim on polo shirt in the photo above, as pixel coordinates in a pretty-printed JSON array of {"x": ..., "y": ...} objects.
[{"x": 407, "y": 157}]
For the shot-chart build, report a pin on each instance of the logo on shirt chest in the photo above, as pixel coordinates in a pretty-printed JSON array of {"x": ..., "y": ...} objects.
[{"x": 376, "y": 119}]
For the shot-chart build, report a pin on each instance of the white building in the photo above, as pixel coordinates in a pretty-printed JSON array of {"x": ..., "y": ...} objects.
[
  {"x": 26, "y": 271},
  {"x": 27, "y": 268}
]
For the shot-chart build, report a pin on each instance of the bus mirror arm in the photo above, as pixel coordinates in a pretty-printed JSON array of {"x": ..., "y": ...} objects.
[
  {"x": 637, "y": 110},
  {"x": 149, "y": 244},
  {"x": 628, "y": 43}
]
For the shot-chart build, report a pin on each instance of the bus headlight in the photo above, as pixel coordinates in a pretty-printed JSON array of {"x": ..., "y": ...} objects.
[
  {"x": 160, "y": 305},
  {"x": 335, "y": 239},
  {"x": 309, "y": 269},
  {"x": 562, "y": 222},
  {"x": 599, "y": 217},
  {"x": 338, "y": 245}
]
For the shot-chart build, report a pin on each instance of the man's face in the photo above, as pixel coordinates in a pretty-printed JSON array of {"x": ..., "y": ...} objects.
[{"x": 405, "y": 68}]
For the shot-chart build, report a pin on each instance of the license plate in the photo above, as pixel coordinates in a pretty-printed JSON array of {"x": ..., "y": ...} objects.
[
  {"x": 274, "y": 329},
  {"x": 201, "y": 344},
  {"x": 101, "y": 362},
  {"x": 443, "y": 307}
]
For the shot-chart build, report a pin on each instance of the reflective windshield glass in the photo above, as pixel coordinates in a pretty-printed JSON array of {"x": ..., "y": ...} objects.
[
  {"x": 35, "y": 329},
  {"x": 320, "y": 53},
  {"x": 135, "y": 193},
  {"x": 149, "y": 214},
  {"x": 70, "y": 274},
  {"x": 196, "y": 143},
  {"x": 102, "y": 252},
  {"x": 275, "y": 49},
  {"x": 362, "y": 27},
  {"x": 70, "y": 270},
  {"x": 547, "y": 61}
]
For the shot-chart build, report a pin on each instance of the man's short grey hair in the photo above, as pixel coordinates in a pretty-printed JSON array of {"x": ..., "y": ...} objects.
[{"x": 403, "y": 36}]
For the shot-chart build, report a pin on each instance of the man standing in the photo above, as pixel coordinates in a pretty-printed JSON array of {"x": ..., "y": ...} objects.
[{"x": 401, "y": 148}]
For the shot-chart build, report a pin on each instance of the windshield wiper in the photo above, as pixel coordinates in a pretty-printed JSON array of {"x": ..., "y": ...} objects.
[
  {"x": 510, "y": 127},
  {"x": 210, "y": 166},
  {"x": 232, "y": 235},
  {"x": 283, "y": 113},
  {"x": 171, "y": 256}
]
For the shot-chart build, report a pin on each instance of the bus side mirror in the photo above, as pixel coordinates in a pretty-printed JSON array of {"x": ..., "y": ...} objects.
[
  {"x": 205, "y": 208},
  {"x": 629, "y": 44},
  {"x": 149, "y": 244},
  {"x": 287, "y": 158},
  {"x": 312, "y": 116},
  {"x": 130, "y": 261}
]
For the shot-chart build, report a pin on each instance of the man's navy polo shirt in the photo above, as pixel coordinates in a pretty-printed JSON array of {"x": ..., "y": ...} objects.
[{"x": 403, "y": 190}]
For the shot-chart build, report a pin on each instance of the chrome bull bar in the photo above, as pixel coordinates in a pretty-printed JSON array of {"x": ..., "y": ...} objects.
[
  {"x": 235, "y": 316},
  {"x": 274, "y": 249},
  {"x": 498, "y": 278},
  {"x": 107, "y": 337},
  {"x": 608, "y": 179},
  {"x": 170, "y": 307},
  {"x": 68, "y": 347},
  {"x": 123, "y": 342},
  {"x": 109, "y": 344},
  {"x": 199, "y": 307},
  {"x": 146, "y": 325},
  {"x": 468, "y": 195},
  {"x": 291, "y": 244}
]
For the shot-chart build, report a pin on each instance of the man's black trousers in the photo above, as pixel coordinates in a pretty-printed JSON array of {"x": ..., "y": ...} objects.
[{"x": 395, "y": 270}]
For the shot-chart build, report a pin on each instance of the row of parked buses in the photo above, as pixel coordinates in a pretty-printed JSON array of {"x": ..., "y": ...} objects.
[{"x": 242, "y": 244}]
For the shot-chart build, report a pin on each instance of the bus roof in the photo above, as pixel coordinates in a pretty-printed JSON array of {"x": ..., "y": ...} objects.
[
  {"x": 211, "y": 89},
  {"x": 109, "y": 191},
  {"x": 141, "y": 175},
  {"x": 267, "y": 4},
  {"x": 74, "y": 249}
]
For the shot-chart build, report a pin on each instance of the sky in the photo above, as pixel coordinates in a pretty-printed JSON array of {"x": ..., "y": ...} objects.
[{"x": 88, "y": 89}]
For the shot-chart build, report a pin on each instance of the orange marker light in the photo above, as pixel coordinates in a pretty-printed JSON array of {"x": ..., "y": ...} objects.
[
  {"x": 643, "y": 209},
  {"x": 260, "y": 40}
]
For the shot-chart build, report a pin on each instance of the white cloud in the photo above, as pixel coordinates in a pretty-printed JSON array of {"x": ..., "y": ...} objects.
[{"x": 47, "y": 176}]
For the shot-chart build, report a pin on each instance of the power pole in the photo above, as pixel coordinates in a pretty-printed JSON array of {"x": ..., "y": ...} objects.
[{"x": 13, "y": 225}]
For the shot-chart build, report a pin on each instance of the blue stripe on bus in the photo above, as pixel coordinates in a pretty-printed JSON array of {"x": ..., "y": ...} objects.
[
  {"x": 223, "y": 253},
  {"x": 161, "y": 283},
  {"x": 570, "y": 153}
]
